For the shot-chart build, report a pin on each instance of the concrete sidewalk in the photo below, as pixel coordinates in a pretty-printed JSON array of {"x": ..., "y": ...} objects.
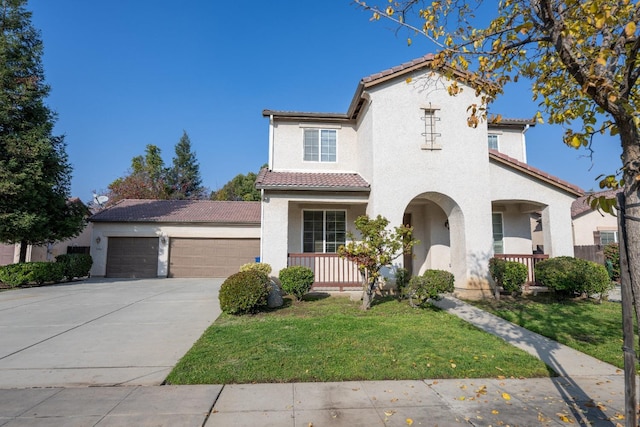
[
  {"x": 589, "y": 392},
  {"x": 596, "y": 401}
]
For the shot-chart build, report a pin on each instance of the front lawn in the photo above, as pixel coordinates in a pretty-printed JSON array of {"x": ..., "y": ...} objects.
[
  {"x": 331, "y": 339},
  {"x": 585, "y": 325}
]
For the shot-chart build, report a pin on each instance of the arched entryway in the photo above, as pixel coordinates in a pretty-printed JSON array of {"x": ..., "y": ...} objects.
[{"x": 439, "y": 224}]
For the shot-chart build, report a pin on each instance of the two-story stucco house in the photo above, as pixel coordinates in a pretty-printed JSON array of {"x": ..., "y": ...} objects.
[{"x": 403, "y": 150}]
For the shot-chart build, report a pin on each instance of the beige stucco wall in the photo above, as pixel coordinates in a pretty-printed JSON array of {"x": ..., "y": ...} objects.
[
  {"x": 585, "y": 224},
  {"x": 46, "y": 253},
  {"x": 289, "y": 150},
  {"x": 511, "y": 142},
  {"x": 102, "y": 232},
  {"x": 455, "y": 177},
  {"x": 555, "y": 206}
]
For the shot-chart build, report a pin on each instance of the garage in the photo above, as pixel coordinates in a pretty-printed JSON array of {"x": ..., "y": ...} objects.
[
  {"x": 132, "y": 257},
  {"x": 139, "y": 238},
  {"x": 210, "y": 257}
]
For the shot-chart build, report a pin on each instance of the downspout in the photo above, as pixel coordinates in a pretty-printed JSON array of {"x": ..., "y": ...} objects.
[
  {"x": 261, "y": 225},
  {"x": 524, "y": 144},
  {"x": 271, "y": 142}
]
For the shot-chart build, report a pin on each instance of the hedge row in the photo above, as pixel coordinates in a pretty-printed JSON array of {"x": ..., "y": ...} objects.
[{"x": 66, "y": 267}]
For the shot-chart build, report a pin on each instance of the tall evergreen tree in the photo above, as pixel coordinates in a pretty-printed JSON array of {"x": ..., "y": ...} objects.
[
  {"x": 184, "y": 176},
  {"x": 34, "y": 168}
]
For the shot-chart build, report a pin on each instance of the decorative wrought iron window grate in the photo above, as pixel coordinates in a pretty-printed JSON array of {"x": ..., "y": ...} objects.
[{"x": 430, "y": 134}]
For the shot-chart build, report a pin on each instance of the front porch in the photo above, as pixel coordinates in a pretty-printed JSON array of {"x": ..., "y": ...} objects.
[{"x": 333, "y": 273}]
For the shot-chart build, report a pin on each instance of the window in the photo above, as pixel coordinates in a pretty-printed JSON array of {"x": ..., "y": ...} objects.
[
  {"x": 323, "y": 231},
  {"x": 498, "y": 235},
  {"x": 493, "y": 141},
  {"x": 430, "y": 134},
  {"x": 607, "y": 237},
  {"x": 320, "y": 145}
]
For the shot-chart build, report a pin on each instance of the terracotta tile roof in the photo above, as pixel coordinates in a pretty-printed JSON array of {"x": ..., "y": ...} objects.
[
  {"x": 581, "y": 205},
  {"x": 398, "y": 69},
  {"x": 190, "y": 211},
  {"x": 535, "y": 172},
  {"x": 270, "y": 180}
]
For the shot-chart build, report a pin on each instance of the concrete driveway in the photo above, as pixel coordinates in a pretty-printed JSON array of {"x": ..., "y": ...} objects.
[{"x": 102, "y": 331}]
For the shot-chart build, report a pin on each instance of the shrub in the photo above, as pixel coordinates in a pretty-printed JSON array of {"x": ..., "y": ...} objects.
[
  {"x": 612, "y": 255},
  {"x": 75, "y": 265},
  {"x": 568, "y": 276},
  {"x": 595, "y": 278},
  {"x": 296, "y": 280},
  {"x": 430, "y": 285},
  {"x": 244, "y": 292},
  {"x": 496, "y": 269},
  {"x": 259, "y": 266},
  {"x": 14, "y": 275},
  {"x": 402, "y": 277},
  {"x": 514, "y": 276},
  {"x": 31, "y": 273},
  {"x": 557, "y": 274}
]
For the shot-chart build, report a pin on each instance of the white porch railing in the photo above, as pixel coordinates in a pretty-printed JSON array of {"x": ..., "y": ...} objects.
[
  {"x": 530, "y": 260},
  {"x": 330, "y": 270}
]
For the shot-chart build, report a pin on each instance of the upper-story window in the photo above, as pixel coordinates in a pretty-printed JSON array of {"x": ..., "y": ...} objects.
[
  {"x": 320, "y": 145},
  {"x": 493, "y": 141}
]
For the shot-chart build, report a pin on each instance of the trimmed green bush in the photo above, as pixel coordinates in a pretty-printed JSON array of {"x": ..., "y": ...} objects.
[
  {"x": 75, "y": 265},
  {"x": 612, "y": 254},
  {"x": 430, "y": 285},
  {"x": 244, "y": 292},
  {"x": 515, "y": 275},
  {"x": 569, "y": 276},
  {"x": 557, "y": 274},
  {"x": 595, "y": 278},
  {"x": 14, "y": 275},
  {"x": 296, "y": 280},
  {"x": 26, "y": 273},
  {"x": 259, "y": 266}
]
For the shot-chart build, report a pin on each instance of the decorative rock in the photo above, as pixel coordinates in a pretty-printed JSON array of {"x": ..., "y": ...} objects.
[{"x": 274, "y": 299}]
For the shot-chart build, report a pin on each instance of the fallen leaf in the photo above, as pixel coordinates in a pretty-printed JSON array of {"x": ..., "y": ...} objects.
[
  {"x": 482, "y": 390},
  {"x": 495, "y": 412},
  {"x": 395, "y": 399},
  {"x": 453, "y": 365},
  {"x": 542, "y": 418},
  {"x": 409, "y": 421},
  {"x": 461, "y": 398},
  {"x": 389, "y": 413},
  {"x": 618, "y": 416},
  {"x": 565, "y": 418},
  {"x": 463, "y": 387}
]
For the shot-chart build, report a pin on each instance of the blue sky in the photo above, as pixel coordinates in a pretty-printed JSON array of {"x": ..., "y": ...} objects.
[{"x": 127, "y": 73}]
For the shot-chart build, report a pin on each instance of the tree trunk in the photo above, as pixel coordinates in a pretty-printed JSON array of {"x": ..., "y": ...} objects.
[
  {"x": 23, "y": 251},
  {"x": 369, "y": 294},
  {"x": 630, "y": 137}
]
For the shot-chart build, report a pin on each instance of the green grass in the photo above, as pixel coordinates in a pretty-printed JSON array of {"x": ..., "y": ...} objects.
[
  {"x": 585, "y": 325},
  {"x": 331, "y": 339}
]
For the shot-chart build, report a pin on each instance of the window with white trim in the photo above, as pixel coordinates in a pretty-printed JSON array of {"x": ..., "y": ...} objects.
[
  {"x": 498, "y": 233},
  {"x": 493, "y": 141},
  {"x": 323, "y": 231},
  {"x": 320, "y": 145},
  {"x": 607, "y": 237}
]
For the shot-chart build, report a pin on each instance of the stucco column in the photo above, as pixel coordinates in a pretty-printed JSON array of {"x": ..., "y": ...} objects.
[
  {"x": 556, "y": 229},
  {"x": 275, "y": 232}
]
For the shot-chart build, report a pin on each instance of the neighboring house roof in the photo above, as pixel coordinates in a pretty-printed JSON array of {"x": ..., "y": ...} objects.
[
  {"x": 180, "y": 211},
  {"x": 535, "y": 172},
  {"x": 581, "y": 205},
  {"x": 269, "y": 180},
  {"x": 504, "y": 122}
]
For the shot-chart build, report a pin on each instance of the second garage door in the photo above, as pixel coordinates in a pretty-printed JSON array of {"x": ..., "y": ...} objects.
[{"x": 210, "y": 257}]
